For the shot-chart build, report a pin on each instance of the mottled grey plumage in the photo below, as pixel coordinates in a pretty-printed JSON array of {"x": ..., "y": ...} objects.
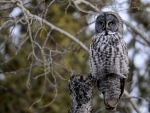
[{"x": 108, "y": 58}]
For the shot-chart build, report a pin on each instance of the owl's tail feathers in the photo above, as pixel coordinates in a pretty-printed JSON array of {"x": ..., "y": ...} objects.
[
  {"x": 111, "y": 103},
  {"x": 112, "y": 87}
]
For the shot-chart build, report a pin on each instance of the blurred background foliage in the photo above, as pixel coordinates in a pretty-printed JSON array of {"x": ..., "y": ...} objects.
[{"x": 24, "y": 79}]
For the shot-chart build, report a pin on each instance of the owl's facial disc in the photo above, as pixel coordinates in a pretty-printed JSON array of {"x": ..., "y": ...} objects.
[{"x": 106, "y": 24}]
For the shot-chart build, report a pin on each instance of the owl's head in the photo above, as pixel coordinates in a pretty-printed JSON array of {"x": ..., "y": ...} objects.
[{"x": 108, "y": 23}]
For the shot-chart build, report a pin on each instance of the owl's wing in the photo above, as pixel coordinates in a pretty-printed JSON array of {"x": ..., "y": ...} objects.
[{"x": 122, "y": 84}]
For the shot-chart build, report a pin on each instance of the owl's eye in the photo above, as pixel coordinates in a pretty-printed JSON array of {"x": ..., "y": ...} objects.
[
  {"x": 110, "y": 23},
  {"x": 102, "y": 23}
]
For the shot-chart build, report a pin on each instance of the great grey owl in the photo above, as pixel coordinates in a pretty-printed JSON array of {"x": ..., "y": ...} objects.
[{"x": 108, "y": 58}]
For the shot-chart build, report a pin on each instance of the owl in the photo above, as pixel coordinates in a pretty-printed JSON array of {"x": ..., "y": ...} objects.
[{"x": 109, "y": 58}]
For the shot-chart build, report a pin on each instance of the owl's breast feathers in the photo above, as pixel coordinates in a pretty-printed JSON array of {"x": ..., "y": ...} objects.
[{"x": 108, "y": 54}]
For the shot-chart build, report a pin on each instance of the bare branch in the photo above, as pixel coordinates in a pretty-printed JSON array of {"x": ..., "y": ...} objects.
[
  {"x": 41, "y": 95},
  {"x": 68, "y": 6},
  {"x": 134, "y": 105},
  {"x": 91, "y": 5},
  {"x": 141, "y": 98},
  {"x": 48, "y": 7},
  {"x": 86, "y": 3},
  {"x": 136, "y": 30},
  {"x": 76, "y": 2},
  {"x": 52, "y": 26}
]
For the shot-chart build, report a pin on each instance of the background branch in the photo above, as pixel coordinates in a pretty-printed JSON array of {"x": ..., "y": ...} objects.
[
  {"x": 52, "y": 26},
  {"x": 134, "y": 105},
  {"x": 136, "y": 30}
]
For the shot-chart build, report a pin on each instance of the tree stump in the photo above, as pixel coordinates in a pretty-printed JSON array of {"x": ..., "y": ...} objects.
[{"x": 81, "y": 89}]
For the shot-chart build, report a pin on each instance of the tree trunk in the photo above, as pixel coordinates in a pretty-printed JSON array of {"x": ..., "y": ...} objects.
[{"x": 81, "y": 89}]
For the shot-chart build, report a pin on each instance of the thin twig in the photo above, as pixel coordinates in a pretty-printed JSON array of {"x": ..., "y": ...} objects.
[
  {"x": 76, "y": 2},
  {"x": 136, "y": 30},
  {"x": 53, "y": 27},
  {"x": 134, "y": 105}
]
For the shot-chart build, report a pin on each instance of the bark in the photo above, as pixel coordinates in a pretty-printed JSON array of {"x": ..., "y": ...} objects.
[{"x": 81, "y": 89}]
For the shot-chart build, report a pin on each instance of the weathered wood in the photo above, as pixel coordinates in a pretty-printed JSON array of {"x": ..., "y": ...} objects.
[{"x": 81, "y": 89}]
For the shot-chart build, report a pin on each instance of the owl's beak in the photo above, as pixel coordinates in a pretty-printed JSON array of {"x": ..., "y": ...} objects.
[{"x": 106, "y": 31}]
